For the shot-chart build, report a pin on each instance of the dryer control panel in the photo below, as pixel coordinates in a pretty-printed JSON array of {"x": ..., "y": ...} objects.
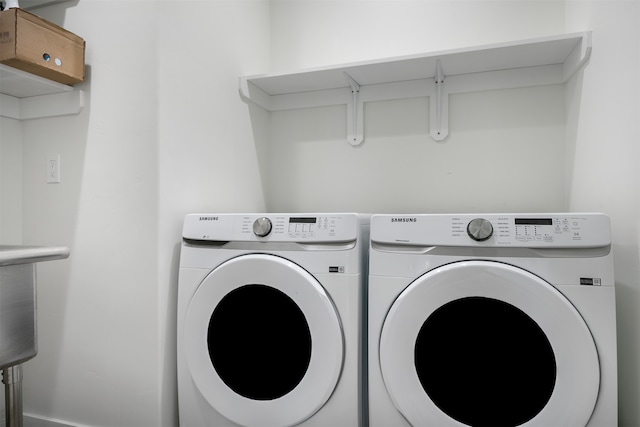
[
  {"x": 559, "y": 230},
  {"x": 308, "y": 228}
]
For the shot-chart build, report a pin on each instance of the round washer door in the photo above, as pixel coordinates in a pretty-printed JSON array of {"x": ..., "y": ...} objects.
[
  {"x": 264, "y": 343},
  {"x": 487, "y": 344}
]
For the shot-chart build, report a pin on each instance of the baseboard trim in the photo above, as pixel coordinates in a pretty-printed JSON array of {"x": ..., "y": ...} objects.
[{"x": 31, "y": 420}]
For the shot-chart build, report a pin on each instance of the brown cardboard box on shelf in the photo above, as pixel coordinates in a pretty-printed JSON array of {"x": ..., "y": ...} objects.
[{"x": 35, "y": 45}]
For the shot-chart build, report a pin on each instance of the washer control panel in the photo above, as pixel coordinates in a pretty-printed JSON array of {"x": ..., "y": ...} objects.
[
  {"x": 514, "y": 230},
  {"x": 272, "y": 227}
]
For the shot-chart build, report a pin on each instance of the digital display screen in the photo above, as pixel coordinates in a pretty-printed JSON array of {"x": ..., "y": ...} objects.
[
  {"x": 534, "y": 221},
  {"x": 301, "y": 220}
]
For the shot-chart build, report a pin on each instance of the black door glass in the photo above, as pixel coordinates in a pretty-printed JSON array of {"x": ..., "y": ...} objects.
[
  {"x": 485, "y": 362},
  {"x": 259, "y": 342}
]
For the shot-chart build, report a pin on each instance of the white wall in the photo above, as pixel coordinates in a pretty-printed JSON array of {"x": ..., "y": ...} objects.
[
  {"x": 505, "y": 150},
  {"x": 98, "y": 361},
  {"x": 10, "y": 182},
  {"x": 603, "y": 168},
  {"x": 318, "y": 32},
  {"x": 163, "y": 133}
]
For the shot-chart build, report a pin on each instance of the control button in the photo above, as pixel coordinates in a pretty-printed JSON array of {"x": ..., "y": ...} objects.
[
  {"x": 479, "y": 229},
  {"x": 262, "y": 226}
]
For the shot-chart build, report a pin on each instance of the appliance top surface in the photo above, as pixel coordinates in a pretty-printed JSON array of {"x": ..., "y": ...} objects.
[
  {"x": 535, "y": 230},
  {"x": 274, "y": 227}
]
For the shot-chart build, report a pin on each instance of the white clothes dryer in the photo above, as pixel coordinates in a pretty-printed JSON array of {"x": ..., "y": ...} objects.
[
  {"x": 270, "y": 318},
  {"x": 492, "y": 320}
]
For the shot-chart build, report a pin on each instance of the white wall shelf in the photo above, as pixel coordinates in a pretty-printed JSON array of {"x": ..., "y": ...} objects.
[
  {"x": 31, "y": 4},
  {"x": 26, "y": 96},
  {"x": 525, "y": 63}
]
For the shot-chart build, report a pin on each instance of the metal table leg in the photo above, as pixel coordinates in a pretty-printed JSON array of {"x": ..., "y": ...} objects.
[{"x": 12, "y": 380}]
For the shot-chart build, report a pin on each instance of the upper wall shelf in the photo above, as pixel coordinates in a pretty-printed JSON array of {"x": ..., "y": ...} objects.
[
  {"x": 31, "y": 4},
  {"x": 27, "y": 96},
  {"x": 541, "y": 61}
]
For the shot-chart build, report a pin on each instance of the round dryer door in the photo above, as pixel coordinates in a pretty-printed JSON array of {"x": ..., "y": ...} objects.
[
  {"x": 264, "y": 343},
  {"x": 483, "y": 343}
]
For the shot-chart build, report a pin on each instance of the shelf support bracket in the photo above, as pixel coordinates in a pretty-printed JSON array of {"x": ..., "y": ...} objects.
[
  {"x": 256, "y": 97},
  {"x": 439, "y": 107},
  {"x": 355, "y": 126}
]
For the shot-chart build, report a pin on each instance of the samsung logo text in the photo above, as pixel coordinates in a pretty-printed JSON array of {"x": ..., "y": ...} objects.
[{"x": 403, "y": 219}]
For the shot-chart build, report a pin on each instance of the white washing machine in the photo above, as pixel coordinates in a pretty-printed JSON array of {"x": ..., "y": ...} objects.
[
  {"x": 492, "y": 320},
  {"x": 270, "y": 318}
]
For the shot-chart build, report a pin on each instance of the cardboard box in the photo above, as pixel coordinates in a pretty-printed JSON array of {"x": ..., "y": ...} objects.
[{"x": 35, "y": 45}]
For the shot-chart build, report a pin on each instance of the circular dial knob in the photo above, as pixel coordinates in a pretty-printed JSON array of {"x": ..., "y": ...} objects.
[
  {"x": 262, "y": 226},
  {"x": 479, "y": 229}
]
